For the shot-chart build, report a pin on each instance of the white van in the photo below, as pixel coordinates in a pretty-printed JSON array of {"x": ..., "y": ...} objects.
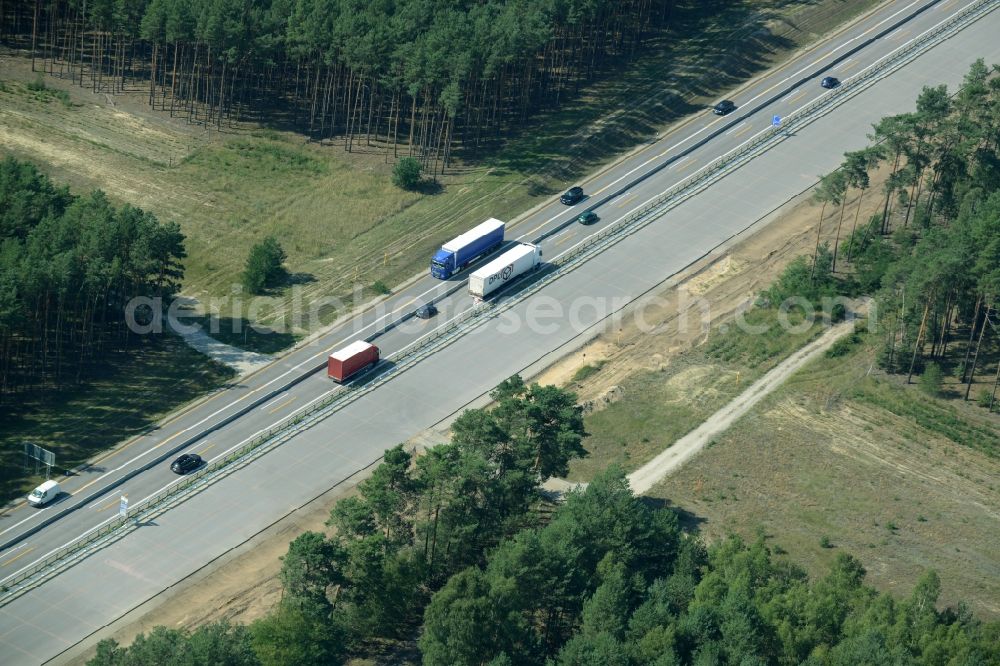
[{"x": 44, "y": 493}]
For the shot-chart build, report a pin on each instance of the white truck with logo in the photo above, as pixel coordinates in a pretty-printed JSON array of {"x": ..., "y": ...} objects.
[{"x": 504, "y": 269}]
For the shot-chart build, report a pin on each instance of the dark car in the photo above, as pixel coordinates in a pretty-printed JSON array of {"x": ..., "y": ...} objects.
[
  {"x": 830, "y": 82},
  {"x": 186, "y": 463},
  {"x": 426, "y": 311},
  {"x": 572, "y": 196},
  {"x": 588, "y": 218},
  {"x": 724, "y": 107}
]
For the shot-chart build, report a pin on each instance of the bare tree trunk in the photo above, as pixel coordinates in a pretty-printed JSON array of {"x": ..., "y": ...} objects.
[
  {"x": 996, "y": 382},
  {"x": 325, "y": 107},
  {"x": 909, "y": 202},
  {"x": 888, "y": 196},
  {"x": 371, "y": 110},
  {"x": 942, "y": 344},
  {"x": 173, "y": 81},
  {"x": 892, "y": 342},
  {"x": 972, "y": 336},
  {"x": 152, "y": 75},
  {"x": 221, "y": 94},
  {"x": 836, "y": 242},
  {"x": 34, "y": 33},
  {"x": 413, "y": 122},
  {"x": 930, "y": 204},
  {"x": 979, "y": 345},
  {"x": 819, "y": 227},
  {"x": 916, "y": 345},
  {"x": 315, "y": 99},
  {"x": 850, "y": 247},
  {"x": 397, "y": 99}
]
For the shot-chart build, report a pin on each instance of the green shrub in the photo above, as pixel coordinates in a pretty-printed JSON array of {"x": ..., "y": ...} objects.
[
  {"x": 380, "y": 288},
  {"x": 984, "y": 398},
  {"x": 265, "y": 266},
  {"x": 587, "y": 371},
  {"x": 406, "y": 173},
  {"x": 931, "y": 379},
  {"x": 843, "y": 346},
  {"x": 801, "y": 280},
  {"x": 824, "y": 542},
  {"x": 38, "y": 83}
]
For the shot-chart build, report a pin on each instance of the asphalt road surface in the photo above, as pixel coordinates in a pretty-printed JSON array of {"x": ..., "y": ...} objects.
[{"x": 53, "y": 617}]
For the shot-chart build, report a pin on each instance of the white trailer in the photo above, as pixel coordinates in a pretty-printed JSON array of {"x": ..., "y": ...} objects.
[{"x": 507, "y": 267}]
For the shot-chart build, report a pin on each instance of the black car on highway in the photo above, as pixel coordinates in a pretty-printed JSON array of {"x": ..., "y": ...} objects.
[
  {"x": 572, "y": 196},
  {"x": 186, "y": 463},
  {"x": 830, "y": 82},
  {"x": 426, "y": 311},
  {"x": 724, "y": 107}
]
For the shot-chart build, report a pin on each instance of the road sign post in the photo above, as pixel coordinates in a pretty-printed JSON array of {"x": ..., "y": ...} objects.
[
  {"x": 123, "y": 507},
  {"x": 33, "y": 452},
  {"x": 776, "y": 121}
]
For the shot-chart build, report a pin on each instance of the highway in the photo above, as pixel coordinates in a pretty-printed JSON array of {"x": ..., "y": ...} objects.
[{"x": 48, "y": 620}]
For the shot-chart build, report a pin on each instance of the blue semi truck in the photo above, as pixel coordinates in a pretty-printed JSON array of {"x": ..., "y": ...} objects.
[{"x": 459, "y": 252}]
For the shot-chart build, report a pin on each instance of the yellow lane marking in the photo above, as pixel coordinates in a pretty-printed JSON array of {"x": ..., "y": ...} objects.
[
  {"x": 539, "y": 226},
  {"x": 401, "y": 307},
  {"x": 622, "y": 202},
  {"x": 207, "y": 448},
  {"x": 565, "y": 238},
  {"x": 850, "y": 64},
  {"x": 174, "y": 436},
  {"x": 746, "y": 128},
  {"x": 20, "y": 555},
  {"x": 284, "y": 404},
  {"x": 795, "y": 96},
  {"x": 87, "y": 485},
  {"x": 688, "y": 161},
  {"x": 110, "y": 504}
]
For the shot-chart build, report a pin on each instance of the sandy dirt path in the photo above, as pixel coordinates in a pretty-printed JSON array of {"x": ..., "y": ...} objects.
[{"x": 686, "y": 447}]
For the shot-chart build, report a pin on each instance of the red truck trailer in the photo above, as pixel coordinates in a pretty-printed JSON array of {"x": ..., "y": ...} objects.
[{"x": 350, "y": 360}]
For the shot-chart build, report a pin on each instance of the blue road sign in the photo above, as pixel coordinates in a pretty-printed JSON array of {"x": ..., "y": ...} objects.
[{"x": 776, "y": 121}]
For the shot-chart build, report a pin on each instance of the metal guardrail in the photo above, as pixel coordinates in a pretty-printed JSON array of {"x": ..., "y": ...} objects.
[{"x": 65, "y": 556}]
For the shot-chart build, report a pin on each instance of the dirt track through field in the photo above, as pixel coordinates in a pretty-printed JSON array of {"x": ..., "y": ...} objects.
[{"x": 686, "y": 447}]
